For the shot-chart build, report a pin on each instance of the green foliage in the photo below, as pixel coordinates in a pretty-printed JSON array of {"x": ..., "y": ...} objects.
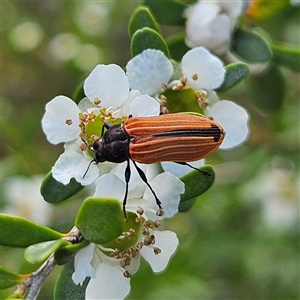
[
  {"x": 100, "y": 220},
  {"x": 63, "y": 254},
  {"x": 268, "y": 89},
  {"x": 141, "y": 18},
  {"x": 78, "y": 93},
  {"x": 287, "y": 56},
  {"x": 235, "y": 73},
  {"x": 196, "y": 183},
  {"x": 65, "y": 287},
  {"x": 38, "y": 253},
  {"x": 8, "y": 278},
  {"x": 177, "y": 46},
  {"x": 250, "y": 46},
  {"x": 147, "y": 38},
  {"x": 167, "y": 12},
  {"x": 54, "y": 191},
  {"x": 19, "y": 232}
]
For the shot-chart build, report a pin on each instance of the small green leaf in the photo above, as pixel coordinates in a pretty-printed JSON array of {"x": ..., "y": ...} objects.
[
  {"x": 268, "y": 89},
  {"x": 9, "y": 278},
  {"x": 167, "y": 12},
  {"x": 177, "y": 46},
  {"x": 63, "y": 254},
  {"x": 19, "y": 232},
  {"x": 55, "y": 192},
  {"x": 141, "y": 18},
  {"x": 250, "y": 46},
  {"x": 288, "y": 56},
  {"x": 147, "y": 38},
  {"x": 100, "y": 220},
  {"x": 235, "y": 73},
  {"x": 79, "y": 93},
  {"x": 186, "y": 205},
  {"x": 196, "y": 183},
  {"x": 38, "y": 253},
  {"x": 65, "y": 288}
]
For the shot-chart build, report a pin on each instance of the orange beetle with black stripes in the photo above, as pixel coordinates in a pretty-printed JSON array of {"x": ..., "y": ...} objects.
[{"x": 176, "y": 137}]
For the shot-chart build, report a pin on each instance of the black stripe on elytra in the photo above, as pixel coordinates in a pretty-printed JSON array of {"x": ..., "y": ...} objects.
[{"x": 213, "y": 132}]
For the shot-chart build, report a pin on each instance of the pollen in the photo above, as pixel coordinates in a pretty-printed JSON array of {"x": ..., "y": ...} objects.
[
  {"x": 97, "y": 101},
  {"x": 69, "y": 121},
  {"x": 195, "y": 77}
]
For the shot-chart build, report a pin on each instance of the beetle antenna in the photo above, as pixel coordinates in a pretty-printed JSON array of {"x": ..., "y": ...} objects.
[
  {"x": 144, "y": 178},
  {"x": 88, "y": 168},
  {"x": 186, "y": 164}
]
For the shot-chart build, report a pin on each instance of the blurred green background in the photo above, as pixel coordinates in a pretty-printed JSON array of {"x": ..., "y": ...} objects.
[{"x": 241, "y": 238}]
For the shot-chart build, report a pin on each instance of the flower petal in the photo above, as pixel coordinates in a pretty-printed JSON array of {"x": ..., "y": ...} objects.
[
  {"x": 109, "y": 284},
  {"x": 165, "y": 240},
  {"x": 73, "y": 164},
  {"x": 110, "y": 186},
  {"x": 168, "y": 189},
  {"x": 58, "y": 110},
  {"x": 82, "y": 264},
  {"x": 234, "y": 119},
  {"x": 208, "y": 68},
  {"x": 135, "y": 178},
  {"x": 180, "y": 170},
  {"x": 148, "y": 71},
  {"x": 109, "y": 84},
  {"x": 144, "y": 106}
]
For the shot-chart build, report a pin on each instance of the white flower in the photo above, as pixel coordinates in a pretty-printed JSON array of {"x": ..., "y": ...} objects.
[
  {"x": 203, "y": 72},
  {"x": 210, "y": 24},
  {"x": 234, "y": 120},
  {"x": 108, "y": 99},
  {"x": 276, "y": 190},
  {"x": 109, "y": 275},
  {"x": 295, "y": 2},
  {"x": 148, "y": 71},
  {"x": 201, "y": 69},
  {"x": 24, "y": 199}
]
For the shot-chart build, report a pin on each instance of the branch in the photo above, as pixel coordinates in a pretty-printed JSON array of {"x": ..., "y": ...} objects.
[
  {"x": 37, "y": 278},
  {"x": 35, "y": 281}
]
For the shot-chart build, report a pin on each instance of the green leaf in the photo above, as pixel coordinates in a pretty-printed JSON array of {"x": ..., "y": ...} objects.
[
  {"x": 63, "y": 254},
  {"x": 38, "y": 253},
  {"x": 235, "y": 73},
  {"x": 287, "y": 56},
  {"x": 250, "y": 46},
  {"x": 268, "y": 89},
  {"x": 9, "y": 278},
  {"x": 177, "y": 46},
  {"x": 141, "y": 18},
  {"x": 147, "y": 38},
  {"x": 196, "y": 183},
  {"x": 19, "y": 232},
  {"x": 186, "y": 205},
  {"x": 65, "y": 288},
  {"x": 100, "y": 220},
  {"x": 79, "y": 93},
  {"x": 55, "y": 192},
  {"x": 167, "y": 12}
]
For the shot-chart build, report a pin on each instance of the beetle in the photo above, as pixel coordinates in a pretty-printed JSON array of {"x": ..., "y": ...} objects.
[{"x": 176, "y": 137}]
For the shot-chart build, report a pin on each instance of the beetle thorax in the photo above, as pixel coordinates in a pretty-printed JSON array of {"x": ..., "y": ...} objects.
[{"x": 113, "y": 146}]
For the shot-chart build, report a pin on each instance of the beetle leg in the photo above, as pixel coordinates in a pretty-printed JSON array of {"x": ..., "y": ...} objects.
[
  {"x": 186, "y": 164},
  {"x": 144, "y": 178},
  {"x": 127, "y": 178}
]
